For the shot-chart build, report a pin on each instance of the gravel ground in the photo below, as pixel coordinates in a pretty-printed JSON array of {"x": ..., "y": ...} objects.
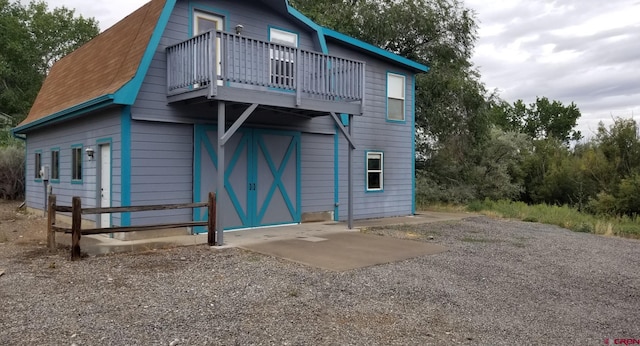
[{"x": 500, "y": 283}]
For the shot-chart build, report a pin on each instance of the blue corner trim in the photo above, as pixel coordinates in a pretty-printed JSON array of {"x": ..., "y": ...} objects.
[
  {"x": 319, "y": 30},
  {"x": 71, "y": 112},
  {"x": 375, "y": 50},
  {"x": 129, "y": 92},
  {"x": 386, "y": 99},
  {"x": 125, "y": 156},
  {"x": 413, "y": 144}
]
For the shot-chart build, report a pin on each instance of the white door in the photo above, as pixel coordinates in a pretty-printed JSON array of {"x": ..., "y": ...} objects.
[
  {"x": 203, "y": 22},
  {"x": 105, "y": 183}
]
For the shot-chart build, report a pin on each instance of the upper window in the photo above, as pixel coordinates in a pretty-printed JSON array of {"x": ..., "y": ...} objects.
[
  {"x": 76, "y": 163},
  {"x": 55, "y": 164},
  {"x": 37, "y": 165},
  {"x": 282, "y": 58},
  {"x": 374, "y": 171},
  {"x": 395, "y": 97}
]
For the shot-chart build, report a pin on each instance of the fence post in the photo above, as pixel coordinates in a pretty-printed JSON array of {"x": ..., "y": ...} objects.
[
  {"x": 76, "y": 221},
  {"x": 211, "y": 221},
  {"x": 51, "y": 220}
]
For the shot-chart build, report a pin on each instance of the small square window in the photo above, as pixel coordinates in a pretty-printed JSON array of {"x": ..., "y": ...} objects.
[
  {"x": 282, "y": 58},
  {"x": 374, "y": 171},
  {"x": 76, "y": 163},
  {"x": 55, "y": 164},
  {"x": 37, "y": 165},
  {"x": 395, "y": 97}
]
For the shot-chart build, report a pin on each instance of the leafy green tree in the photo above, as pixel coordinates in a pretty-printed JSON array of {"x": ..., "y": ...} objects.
[
  {"x": 32, "y": 38},
  {"x": 543, "y": 119}
]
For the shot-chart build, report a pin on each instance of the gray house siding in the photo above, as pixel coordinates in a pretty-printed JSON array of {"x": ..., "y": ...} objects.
[
  {"x": 88, "y": 131},
  {"x": 317, "y": 164},
  {"x": 161, "y": 170},
  {"x": 373, "y": 132},
  {"x": 256, "y": 18}
]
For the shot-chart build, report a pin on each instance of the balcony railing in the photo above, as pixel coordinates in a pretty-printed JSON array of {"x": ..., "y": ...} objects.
[{"x": 218, "y": 59}]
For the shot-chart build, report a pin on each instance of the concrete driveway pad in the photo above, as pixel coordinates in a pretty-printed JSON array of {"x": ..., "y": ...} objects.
[{"x": 345, "y": 250}]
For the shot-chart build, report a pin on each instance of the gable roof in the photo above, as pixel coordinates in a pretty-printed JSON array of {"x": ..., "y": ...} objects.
[
  {"x": 110, "y": 68},
  {"x": 100, "y": 67}
]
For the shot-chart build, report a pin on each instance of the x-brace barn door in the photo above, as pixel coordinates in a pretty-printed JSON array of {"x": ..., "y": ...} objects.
[{"x": 262, "y": 176}]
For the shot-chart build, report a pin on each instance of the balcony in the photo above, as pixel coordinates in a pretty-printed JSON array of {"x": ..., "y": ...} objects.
[{"x": 228, "y": 67}]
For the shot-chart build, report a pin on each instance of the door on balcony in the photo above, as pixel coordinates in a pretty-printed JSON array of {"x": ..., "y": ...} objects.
[
  {"x": 262, "y": 176},
  {"x": 203, "y": 22}
]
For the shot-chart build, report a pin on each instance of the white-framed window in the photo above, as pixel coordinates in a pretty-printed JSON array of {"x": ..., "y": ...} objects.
[
  {"x": 395, "y": 97},
  {"x": 37, "y": 165},
  {"x": 282, "y": 64},
  {"x": 76, "y": 163},
  {"x": 375, "y": 171}
]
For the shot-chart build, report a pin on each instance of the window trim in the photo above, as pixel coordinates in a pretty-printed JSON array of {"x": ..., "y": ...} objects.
[
  {"x": 288, "y": 60},
  {"x": 36, "y": 170},
  {"x": 51, "y": 179},
  {"x": 78, "y": 147},
  {"x": 367, "y": 171},
  {"x": 404, "y": 97}
]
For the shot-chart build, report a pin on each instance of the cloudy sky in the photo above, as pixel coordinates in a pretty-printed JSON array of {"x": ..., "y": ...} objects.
[{"x": 582, "y": 51}]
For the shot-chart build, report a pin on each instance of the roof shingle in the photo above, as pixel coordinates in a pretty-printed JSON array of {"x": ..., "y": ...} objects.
[{"x": 100, "y": 67}]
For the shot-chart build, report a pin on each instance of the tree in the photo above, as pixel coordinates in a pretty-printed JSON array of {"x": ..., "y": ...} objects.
[
  {"x": 450, "y": 99},
  {"x": 32, "y": 38},
  {"x": 543, "y": 119}
]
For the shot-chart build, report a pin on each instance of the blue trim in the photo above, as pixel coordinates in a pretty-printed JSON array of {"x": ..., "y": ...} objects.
[
  {"x": 51, "y": 180},
  {"x": 413, "y": 144},
  {"x": 128, "y": 93},
  {"x": 386, "y": 99},
  {"x": 366, "y": 171},
  {"x": 344, "y": 118},
  {"x": 277, "y": 177},
  {"x": 336, "y": 174},
  {"x": 37, "y": 169},
  {"x": 375, "y": 50},
  {"x": 242, "y": 213},
  {"x": 99, "y": 142},
  {"x": 196, "y": 6},
  {"x": 305, "y": 20},
  {"x": 125, "y": 165},
  {"x": 69, "y": 113},
  {"x": 77, "y": 181}
]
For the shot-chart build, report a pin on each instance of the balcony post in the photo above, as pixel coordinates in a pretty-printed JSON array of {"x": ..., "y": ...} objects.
[
  {"x": 212, "y": 63},
  {"x": 299, "y": 69}
]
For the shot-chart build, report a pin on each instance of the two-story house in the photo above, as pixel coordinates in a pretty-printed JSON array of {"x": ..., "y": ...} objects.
[{"x": 182, "y": 97}]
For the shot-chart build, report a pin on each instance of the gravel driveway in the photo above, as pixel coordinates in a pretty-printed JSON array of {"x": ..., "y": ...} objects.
[{"x": 500, "y": 283}]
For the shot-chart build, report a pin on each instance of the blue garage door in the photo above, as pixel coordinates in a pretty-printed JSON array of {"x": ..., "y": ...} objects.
[{"x": 262, "y": 176}]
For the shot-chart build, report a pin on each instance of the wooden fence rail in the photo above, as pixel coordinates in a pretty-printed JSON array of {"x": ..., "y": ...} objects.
[{"x": 76, "y": 211}]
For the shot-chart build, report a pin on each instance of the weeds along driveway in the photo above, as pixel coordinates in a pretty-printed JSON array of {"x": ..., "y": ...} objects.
[{"x": 500, "y": 283}]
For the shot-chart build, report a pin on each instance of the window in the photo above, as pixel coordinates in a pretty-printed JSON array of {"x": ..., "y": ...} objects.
[
  {"x": 76, "y": 163},
  {"x": 37, "y": 165},
  {"x": 55, "y": 164},
  {"x": 374, "y": 171},
  {"x": 395, "y": 97},
  {"x": 282, "y": 57}
]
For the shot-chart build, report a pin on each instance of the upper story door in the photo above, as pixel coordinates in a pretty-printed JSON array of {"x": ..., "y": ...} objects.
[{"x": 203, "y": 22}]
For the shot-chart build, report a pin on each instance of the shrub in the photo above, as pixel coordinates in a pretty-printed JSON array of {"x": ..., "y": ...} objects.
[{"x": 12, "y": 172}]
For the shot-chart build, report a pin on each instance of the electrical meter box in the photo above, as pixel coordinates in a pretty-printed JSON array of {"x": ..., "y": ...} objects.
[{"x": 44, "y": 172}]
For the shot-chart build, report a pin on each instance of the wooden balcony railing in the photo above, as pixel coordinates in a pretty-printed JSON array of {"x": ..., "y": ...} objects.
[{"x": 218, "y": 59}]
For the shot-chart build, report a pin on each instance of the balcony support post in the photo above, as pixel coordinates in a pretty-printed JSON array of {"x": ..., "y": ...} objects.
[{"x": 220, "y": 178}]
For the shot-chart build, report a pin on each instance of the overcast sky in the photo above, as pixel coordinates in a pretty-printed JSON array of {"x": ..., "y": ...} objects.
[{"x": 582, "y": 51}]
